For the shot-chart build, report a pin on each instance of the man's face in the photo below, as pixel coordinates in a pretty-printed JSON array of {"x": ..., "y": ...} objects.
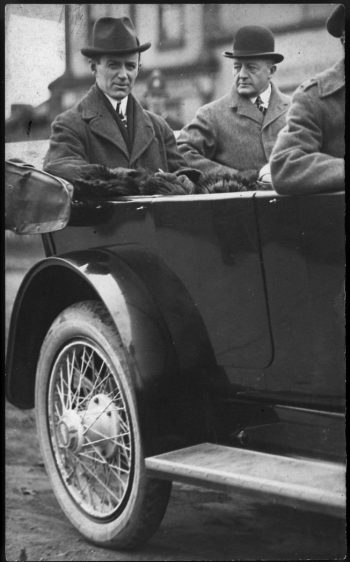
[
  {"x": 252, "y": 76},
  {"x": 116, "y": 75}
]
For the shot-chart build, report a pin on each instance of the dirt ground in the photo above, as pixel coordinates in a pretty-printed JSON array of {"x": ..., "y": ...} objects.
[{"x": 199, "y": 524}]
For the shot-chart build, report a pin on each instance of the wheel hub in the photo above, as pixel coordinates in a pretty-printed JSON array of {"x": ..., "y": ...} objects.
[
  {"x": 70, "y": 431},
  {"x": 98, "y": 426},
  {"x": 101, "y": 422}
]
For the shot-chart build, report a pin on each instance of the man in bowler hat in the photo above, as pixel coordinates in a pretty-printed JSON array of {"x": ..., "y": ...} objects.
[
  {"x": 236, "y": 133},
  {"x": 108, "y": 126},
  {"x": 309, "y": 153}
]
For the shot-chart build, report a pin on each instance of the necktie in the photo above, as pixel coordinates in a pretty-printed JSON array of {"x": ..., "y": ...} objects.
[
  {"x": 122, "y": 116},
  {"x": 259, "y": 105}
]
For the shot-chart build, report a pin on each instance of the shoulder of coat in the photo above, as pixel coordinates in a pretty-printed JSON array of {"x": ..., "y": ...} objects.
[
  {"x": 158, "y": 122},
  {"x": 308, "y": 84},
  {"x": 156, "y": 119},
  {"x": 68, "y": 116},
  {"x": 216, "y": 107}
]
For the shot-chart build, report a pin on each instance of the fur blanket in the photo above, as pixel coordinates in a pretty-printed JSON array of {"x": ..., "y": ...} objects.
[{"x": 105, "y": 183}]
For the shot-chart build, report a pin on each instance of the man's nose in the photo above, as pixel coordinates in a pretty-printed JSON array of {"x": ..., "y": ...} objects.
[
  {"x": 122, "y": 72},
  {"x": 243, "y": 72}
]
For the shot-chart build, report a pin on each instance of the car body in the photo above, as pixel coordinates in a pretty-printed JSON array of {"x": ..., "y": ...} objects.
[{"x": 231, "y": 306}]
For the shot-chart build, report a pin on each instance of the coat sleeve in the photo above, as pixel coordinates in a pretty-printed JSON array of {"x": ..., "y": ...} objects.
[
  {"x": 175, "y": 163},
  {"x": 198, "y": 144},
  {"x": 174, "y": 159},
  {"x": 67, "y": 156},
  {"x": 297, "y": 164}
]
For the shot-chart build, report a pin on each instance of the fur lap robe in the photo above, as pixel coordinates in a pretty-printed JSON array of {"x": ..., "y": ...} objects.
[{"x": 104, "y": 183}]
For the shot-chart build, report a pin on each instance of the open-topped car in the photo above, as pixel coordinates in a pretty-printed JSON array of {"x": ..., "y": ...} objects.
[{"x": 197, "y": 338}]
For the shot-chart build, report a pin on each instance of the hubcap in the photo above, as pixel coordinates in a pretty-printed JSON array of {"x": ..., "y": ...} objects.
[
  {"x": 70, "y": 431},
  {"x": 101, "y": 424},
  {"x": 90, "y": 428}
]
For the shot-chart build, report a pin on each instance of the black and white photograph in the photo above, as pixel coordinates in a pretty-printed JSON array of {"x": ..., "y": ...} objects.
[{"x": 175, "y": 282}]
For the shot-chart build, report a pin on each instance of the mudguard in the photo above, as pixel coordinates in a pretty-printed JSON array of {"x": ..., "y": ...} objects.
[{"x": 175, "y": 368}]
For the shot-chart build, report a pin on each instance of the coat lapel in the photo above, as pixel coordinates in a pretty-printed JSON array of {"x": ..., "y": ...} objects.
[
  {"x": 278, "y": 105},
  {"x": 245, "y": 107},
  {"x": 101, "y": 121},
  {"x": 143, "y": 132}
]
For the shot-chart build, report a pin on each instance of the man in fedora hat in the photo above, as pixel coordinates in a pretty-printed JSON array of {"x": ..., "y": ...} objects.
[
  {"x": 236, "y": 133},
  {"x": 108, "y": 126},
  {"x": 309, "y": 153}
]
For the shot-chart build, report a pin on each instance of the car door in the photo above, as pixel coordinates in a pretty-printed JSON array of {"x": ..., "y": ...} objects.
[
  {"x": 211, "y": 243},
  {"x": 303, "y": 249}
]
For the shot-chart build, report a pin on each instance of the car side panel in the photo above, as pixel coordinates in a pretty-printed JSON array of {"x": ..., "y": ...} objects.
[{"x": 302, "y": 241}]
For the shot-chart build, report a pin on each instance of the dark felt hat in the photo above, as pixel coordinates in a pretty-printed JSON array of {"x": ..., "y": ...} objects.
[
  {"x": 114, "y": 36},
  {"x": 336, "y": 22},
  {"x": 254, "y": 41}
]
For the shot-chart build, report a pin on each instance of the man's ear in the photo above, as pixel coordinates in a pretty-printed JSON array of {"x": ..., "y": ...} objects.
[
  {"x": 92, "y": 64},
  {"x": 273, "y": 69}
]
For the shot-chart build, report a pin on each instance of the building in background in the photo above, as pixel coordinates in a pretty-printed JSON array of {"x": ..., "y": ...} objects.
[{"x": 187, "y": 45}]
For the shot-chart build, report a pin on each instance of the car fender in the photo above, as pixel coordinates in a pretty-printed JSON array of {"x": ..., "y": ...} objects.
[{"x": 158, "y": 323}]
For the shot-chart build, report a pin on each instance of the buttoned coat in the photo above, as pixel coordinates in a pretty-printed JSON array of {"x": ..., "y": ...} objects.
[
  {"x": 87, "y": 134},
  {"x": 231, "y": 134},
  {"x": 309, "y": 153}
]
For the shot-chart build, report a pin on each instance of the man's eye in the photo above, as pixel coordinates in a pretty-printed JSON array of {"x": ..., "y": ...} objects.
[{"x": 131, "y": 67}]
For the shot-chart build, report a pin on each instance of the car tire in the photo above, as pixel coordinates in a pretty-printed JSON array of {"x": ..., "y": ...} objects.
[{"x": 88, "y": 429}]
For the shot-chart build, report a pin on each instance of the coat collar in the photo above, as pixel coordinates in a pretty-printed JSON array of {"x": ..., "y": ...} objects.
[
  {"x": 97, "y": 115},
  {"x": 332, "y": 79},
  {"x": 277, "y": 106}
]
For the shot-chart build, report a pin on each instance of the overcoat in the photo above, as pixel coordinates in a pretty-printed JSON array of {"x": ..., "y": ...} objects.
[
  {"x": 87, "y": 134},
  {"x": 231, "y": 134},
  {"x": 309, "y": 153}
]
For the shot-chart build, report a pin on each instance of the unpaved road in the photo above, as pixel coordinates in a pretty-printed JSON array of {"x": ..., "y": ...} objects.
[{"x": 199, "y": 524}]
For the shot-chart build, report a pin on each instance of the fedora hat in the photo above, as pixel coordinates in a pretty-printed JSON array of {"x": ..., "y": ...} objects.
[
  {"x": 114, "y": 36},
  {"x": 254, "y": 41},
  {"x": 336, "y": 22}
]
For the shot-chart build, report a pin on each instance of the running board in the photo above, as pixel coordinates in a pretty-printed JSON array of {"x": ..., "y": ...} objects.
[{"x": 308, "y": 484}]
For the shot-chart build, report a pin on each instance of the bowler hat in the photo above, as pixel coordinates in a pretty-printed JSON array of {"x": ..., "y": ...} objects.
[
  {"x": 254, "y": 41},
  {"x": 114, "y": 36},
  {"x": 336, "y": 21}
]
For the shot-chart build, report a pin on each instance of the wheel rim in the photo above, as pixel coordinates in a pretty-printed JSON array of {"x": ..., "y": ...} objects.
[{"x": 90, "y": 429}]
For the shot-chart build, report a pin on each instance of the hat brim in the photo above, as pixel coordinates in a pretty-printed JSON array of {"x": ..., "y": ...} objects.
[
  {"x": 336, "y": 22},
  {"x": 276, "y": 57},
  {"x": 93, "y": 51}
]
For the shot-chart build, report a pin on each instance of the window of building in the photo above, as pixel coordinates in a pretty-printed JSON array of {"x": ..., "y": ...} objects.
[
  {"x": 222, "y": 20},
  {"x": 171, "y": 26}
]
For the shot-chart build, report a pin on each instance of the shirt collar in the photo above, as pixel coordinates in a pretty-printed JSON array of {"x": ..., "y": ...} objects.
[
  {"x": 264, "y": 96},
  {"x": 123, "y": 103}
]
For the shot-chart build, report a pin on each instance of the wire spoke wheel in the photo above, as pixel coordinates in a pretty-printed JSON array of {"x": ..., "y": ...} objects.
[{"x": 88, "y": 428}]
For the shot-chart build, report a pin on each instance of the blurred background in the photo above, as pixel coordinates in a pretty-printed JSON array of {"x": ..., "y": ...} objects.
[{"x": 46, "y": 73}]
